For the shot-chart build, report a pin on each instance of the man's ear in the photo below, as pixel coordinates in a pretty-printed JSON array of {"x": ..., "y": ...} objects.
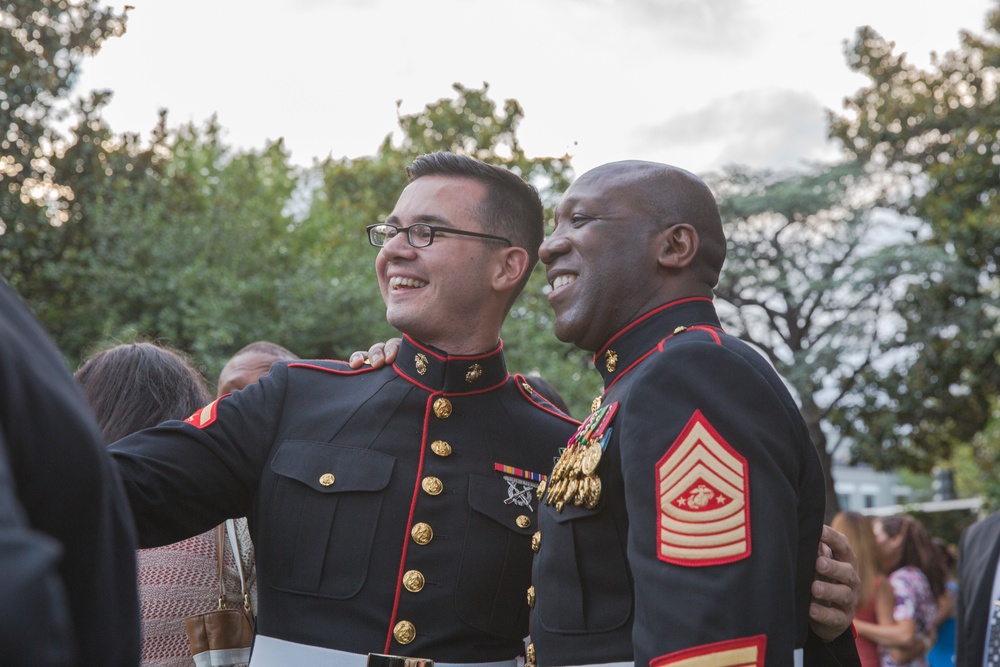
[
  {"x": 678, "y": 244},
  {"x": 511, "y": 265}
]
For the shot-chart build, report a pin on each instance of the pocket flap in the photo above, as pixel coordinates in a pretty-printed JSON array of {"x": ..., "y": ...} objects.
[
  {"x": 515, "y": 509},
  {"x": 330, "y": 468}
]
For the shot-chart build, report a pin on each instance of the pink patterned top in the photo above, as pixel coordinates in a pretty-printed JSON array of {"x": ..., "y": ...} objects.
[{"x": 180, "y": 580}]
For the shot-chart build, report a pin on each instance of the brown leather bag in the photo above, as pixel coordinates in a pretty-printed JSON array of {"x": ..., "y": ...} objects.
[{"x": 223, "y": 638}]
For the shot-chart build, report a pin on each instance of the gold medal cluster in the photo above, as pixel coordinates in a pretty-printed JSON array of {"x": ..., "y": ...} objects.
[{"x": 574, "y": 478}]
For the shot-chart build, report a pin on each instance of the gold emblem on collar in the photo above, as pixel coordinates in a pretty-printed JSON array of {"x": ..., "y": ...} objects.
[
  {"x": 474, "y": 373},
  {"x": 611, "y": 360},
  {"x": 421, "y": 361}
]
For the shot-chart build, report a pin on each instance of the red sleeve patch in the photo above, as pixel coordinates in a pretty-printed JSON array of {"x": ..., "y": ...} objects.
[
  {"x": 743, "y": 652},
  {"x": 704, "y": 499},
  {"x": 206, "y": 415}
]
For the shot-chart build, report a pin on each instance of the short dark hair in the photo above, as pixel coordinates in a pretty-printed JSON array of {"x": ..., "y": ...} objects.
[
  {"x": 133, "y": 386},
  {"x": 268, "y": 348},
  {"x": 511, "y": 207}
]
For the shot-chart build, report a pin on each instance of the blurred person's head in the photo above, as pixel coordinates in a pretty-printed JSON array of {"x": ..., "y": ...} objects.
[
  {"x": 857, "y": 528},
  {"x": 903, "y": 541},
  {"x": 249, "y": 364},
  {"x": 133, "y": 386}
]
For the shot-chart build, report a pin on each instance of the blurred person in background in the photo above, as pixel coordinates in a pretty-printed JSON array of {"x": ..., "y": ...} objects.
[
  {"x": 943, "y": 652},
  {"x": 130, "y": 387},
  {"x": 249, "y": 364},
  {"x": 917, "y": 576},
  {"x": 978, "y": 609},
  {"x": 875, "y": 599}
]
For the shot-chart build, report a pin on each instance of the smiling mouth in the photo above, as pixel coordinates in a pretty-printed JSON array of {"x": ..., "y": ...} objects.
[
  {"x": 563, "y": 280},
  {"x": 398, "y": 282}
]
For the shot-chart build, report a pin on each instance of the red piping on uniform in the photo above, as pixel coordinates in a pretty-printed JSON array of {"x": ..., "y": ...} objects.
[
  {"x": 461, "y": 357},
  {"x": 645, "y": 317},
  {"x": 409, "y": 524},
  {"x": 454, "y": 393},
  {"x": 519, "y": 379}
]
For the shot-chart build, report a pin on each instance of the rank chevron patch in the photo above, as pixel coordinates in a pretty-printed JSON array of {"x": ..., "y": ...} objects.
[
  {"x": 704, "y": 499},
  {"x": 206, "y": 415},
  {"x": 744, "y": 652}
]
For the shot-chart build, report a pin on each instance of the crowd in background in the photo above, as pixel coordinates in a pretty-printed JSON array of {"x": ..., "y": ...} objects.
[{"x": 906, "y": 608}]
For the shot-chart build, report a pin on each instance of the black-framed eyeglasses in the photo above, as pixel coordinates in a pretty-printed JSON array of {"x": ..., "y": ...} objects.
[{"x": 420, "y": 235}]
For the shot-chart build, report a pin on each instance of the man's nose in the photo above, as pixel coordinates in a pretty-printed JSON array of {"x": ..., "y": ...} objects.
[{"x": 552, "y": 247}]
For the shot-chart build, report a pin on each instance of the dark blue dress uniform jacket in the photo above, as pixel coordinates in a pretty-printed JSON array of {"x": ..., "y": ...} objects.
[
  {"x": 628, "y": 579},
  {"x": 67, "y": 548},
  {"x": 380, "y": 521}
]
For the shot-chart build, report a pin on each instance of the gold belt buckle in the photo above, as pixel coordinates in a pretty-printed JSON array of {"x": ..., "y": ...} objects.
[{"x": 381, "y": 660}]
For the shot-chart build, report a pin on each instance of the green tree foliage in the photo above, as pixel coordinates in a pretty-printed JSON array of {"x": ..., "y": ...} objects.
[
  {"x": 934, "y": 135},
  {"x": 41, "y": 45},
  {"x": 812, "y": 279}
]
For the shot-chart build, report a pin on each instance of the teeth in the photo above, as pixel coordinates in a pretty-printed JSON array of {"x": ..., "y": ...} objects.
[
  {"x": 398, "y": 281},
  {"x": 563, "y": 280}
]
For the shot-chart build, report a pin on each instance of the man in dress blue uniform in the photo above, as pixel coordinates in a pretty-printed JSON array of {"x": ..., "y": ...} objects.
[
  {"x": 392, "y": 509},
  {"x": 680, "y": 524}
]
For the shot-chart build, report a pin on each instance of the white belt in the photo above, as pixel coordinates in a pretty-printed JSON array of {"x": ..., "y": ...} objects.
[{"x": 271, "y": 652}]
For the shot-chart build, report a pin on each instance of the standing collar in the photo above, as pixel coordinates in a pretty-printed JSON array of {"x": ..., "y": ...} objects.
[
  {"x": 636, "y": 339},
  {"x": 436, "y": 370}
]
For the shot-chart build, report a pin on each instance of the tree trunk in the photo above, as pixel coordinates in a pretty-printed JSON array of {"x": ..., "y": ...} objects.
[{"x": 810, "y": 413}]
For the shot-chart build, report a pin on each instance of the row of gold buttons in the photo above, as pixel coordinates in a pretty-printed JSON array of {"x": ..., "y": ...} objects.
[{"x": 405, "y": 632}]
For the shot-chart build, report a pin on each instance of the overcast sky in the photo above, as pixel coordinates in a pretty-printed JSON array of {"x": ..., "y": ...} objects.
[{"x": 696, "y": 83}]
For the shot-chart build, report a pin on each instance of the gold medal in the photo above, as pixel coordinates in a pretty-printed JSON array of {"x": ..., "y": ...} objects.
[
  {"x": 595, "y": 493},
  {"x": 591, "y": 457}
]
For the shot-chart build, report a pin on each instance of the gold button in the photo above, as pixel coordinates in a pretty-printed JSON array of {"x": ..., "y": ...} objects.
[
  {"x": 442, "y": 408},
  {"x": 531, "y": 597},
  {"x": 536, "y": 541},
  {"x": 404, "y": 632},
  {"x": 441, "y": 448},
  {"x": 327, "y": 479},
  {"x": 431, "y": 485},
  {"x": 413, "y": 581},
  {"x": 523, "y": 521},
  {"x": 422, "y": 533},
  {"x": 529, "y": 653}
]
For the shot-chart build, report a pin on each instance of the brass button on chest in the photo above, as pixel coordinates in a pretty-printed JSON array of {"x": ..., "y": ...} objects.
[
  {"x": 432, "y": 486},
  {"x": 404, "y": 632},
  {"x": 441, "y": 448},
  {"x": 442, "y": 408},
  {"x": 536, "y": 541},
  {"x": 327, "y": 480},
  {"x": 531, "y": 597},
  {"x": 422, "y": 533},
  {"x": 523, "y": 521},
  {"x": 413, "y": 581}
]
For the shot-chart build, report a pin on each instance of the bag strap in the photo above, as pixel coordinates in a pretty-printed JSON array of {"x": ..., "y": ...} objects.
[
  {"x": 234, "y": 542},
  {"x": 220, "y": 549}
]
